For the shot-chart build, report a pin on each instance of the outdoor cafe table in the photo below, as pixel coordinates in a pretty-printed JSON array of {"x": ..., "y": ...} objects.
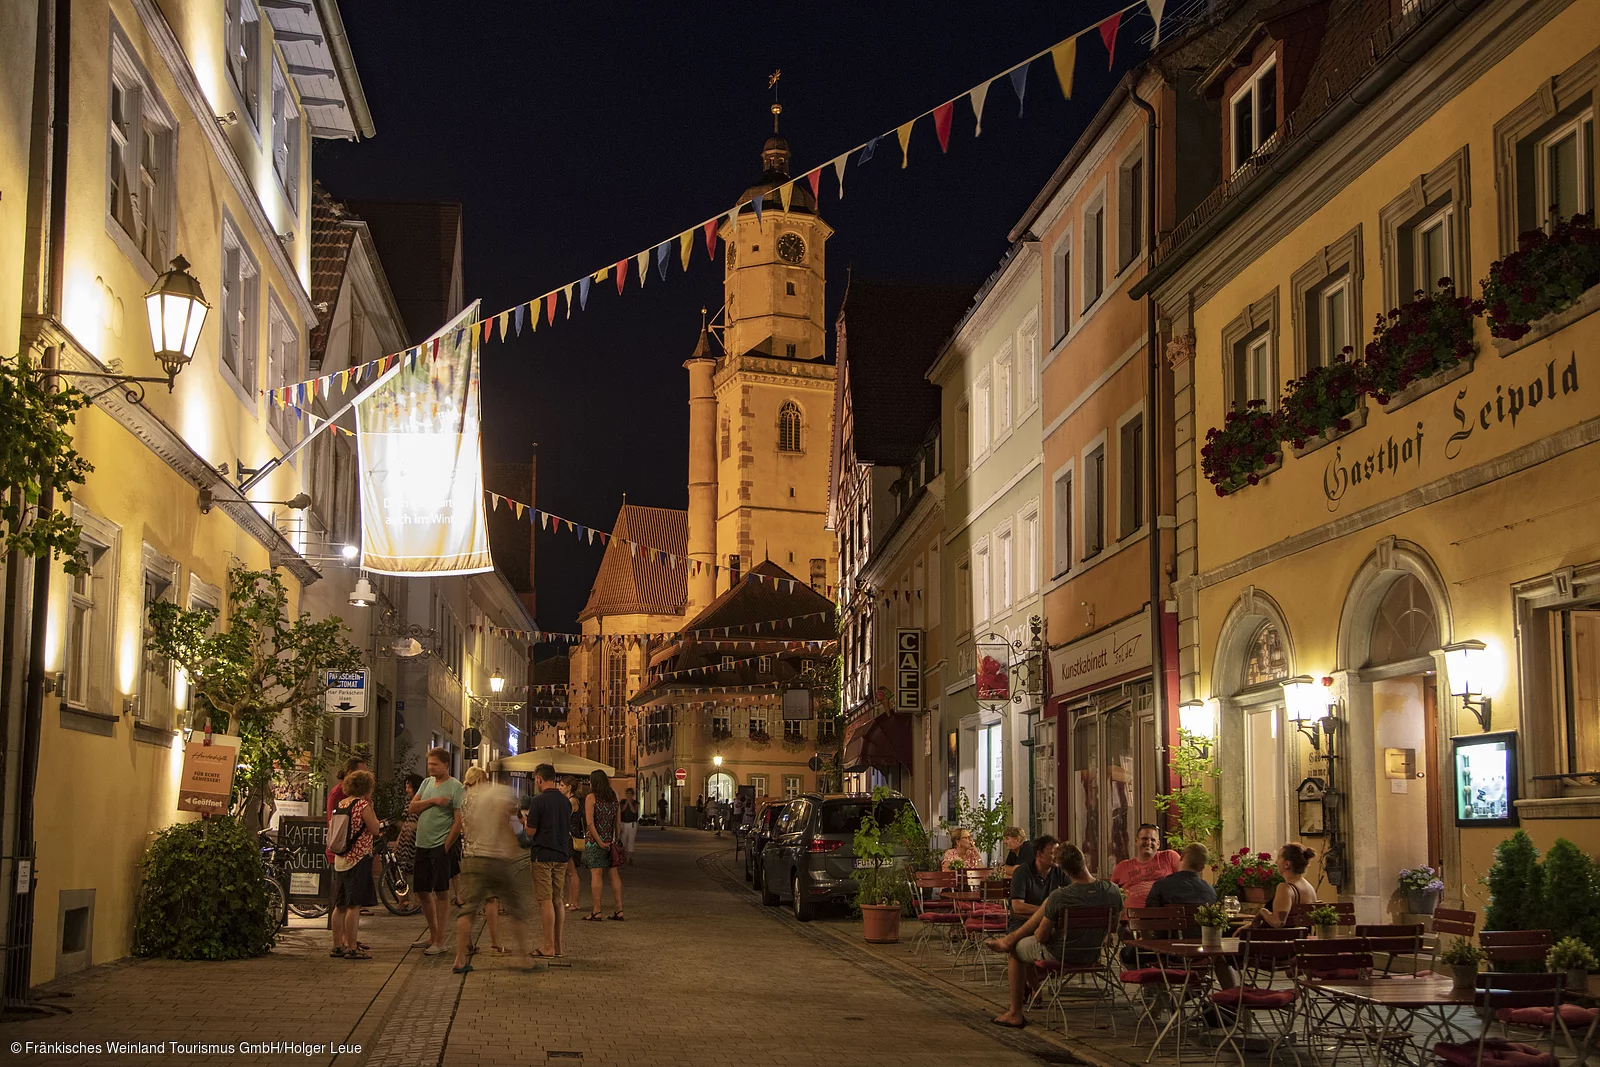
[
  {"x": 1394, "y": 997},
  {"x": 1194, "y": 956}
]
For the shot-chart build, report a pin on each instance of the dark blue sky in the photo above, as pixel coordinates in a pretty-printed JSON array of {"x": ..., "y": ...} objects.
[{"x": 577, "y": 134}]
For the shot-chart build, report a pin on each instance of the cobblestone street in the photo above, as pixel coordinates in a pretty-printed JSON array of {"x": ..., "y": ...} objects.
[{"x": 700, "y": 973}]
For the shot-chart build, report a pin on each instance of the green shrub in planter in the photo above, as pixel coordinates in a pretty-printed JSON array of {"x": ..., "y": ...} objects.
[
  {"x": 1546, "y": 274},
  {"x": 1570, "y": 954},
  {"x": 203, "y": 895},
  {"x": 1569, "y": 907},
  {"x": 1516, "y": 885}
]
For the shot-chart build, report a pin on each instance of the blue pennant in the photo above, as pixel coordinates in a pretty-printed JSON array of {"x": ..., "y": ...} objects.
[
  {"x": 759, "y": 198},
  {"x": 663, "y": 253},
  {"x": 522, "y": 310},
  {"x": 583, "y": 293},
  {"x": 1019, "y": 82},
  {"x": 866, "y": 152}
]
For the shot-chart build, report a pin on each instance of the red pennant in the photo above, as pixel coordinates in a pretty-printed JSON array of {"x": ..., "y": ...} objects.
[
  {"x": 488, "y": 324},
  {"x": 941, "y": 123},
  {"x": 622, "y": 275},
  {"x": 815, "y": 178},
  {"x": 711, "y": 238},
  {"x": 1108, "y": 34},
  {"x": 550, "y": 309}
]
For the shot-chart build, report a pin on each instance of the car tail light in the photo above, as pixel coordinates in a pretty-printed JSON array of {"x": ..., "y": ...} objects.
[{"x": 820, "y": 845}]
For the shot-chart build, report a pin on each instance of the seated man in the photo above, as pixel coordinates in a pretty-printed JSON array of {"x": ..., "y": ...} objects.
[
  {"x": 1044, "y": 937},
  {"x": 1034, "y": 879},
  {"x": 1149, "y": 863},
  {"x": 1185, "y": 885}
]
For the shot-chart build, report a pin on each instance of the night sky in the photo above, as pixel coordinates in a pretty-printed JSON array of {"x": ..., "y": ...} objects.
[{"x": 577, "y": 134}]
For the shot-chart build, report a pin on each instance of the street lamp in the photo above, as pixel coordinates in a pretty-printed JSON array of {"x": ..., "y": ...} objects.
[
  {"x": 1309, "y": 708},
  {"x": 1467, "y": 662},
  {"x": 177, "y": 310},
  {"x": 497, "y": 681},
  {"x": 1198, "y": 719},
  {"x": 716, "y": 761}
]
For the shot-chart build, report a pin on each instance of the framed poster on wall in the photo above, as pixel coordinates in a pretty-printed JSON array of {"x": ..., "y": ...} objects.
[{"x": 1485, "y": 779}]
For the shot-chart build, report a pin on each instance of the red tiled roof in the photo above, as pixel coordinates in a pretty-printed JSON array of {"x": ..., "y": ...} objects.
[
  {"x": 631, "y": 582},
  {"x": 331, "y": 238}
]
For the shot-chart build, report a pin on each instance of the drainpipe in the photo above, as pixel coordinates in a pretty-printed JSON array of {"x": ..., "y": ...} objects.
[{"x": 1158, "y": 663}]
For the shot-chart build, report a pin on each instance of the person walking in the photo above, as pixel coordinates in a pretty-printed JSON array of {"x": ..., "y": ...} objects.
[
  {"x": 548, "y": 822},
  {"x": 490, "y": 870},
  {"x": 700, "y": 812},
  {"x": 630, "y": 823},
  {"x": 352, "y": 868},
  {"x": 472, "y": 779},
  {"x": 661, "y": 811},
  {"x": 601, "y": 811},
  {"x": 576, "y": 830},
  {"x": 437, "y": 807}
]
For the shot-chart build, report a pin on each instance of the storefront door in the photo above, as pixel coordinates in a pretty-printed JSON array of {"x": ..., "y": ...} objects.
[{"x": 1104, "y": 783}]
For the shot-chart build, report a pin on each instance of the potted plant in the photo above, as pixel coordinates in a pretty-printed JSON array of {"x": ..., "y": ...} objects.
[
  {"x": 882, "y": 890},
  {"x": 1249, "y": 876},
  {"x": 1462, "y": 957},
  {"x": 1326, "y": 919},
  {"x": 1573, "y": 956},
  {"x": 1422, "y": 887},
  {"x": 1244, "y": 449},
  {"x": 1415, "y": 341},
  {"x": 1321, "y": 404},
  {"x": 1545, "y": 275},
  {"x": 985, "y": 821},
  {"x": 1212, "y": 918}
]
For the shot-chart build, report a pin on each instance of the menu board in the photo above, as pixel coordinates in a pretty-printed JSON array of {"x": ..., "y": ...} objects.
[
  {"x": 1486, "y": 779},
  {"x": 302, "y": 857}
]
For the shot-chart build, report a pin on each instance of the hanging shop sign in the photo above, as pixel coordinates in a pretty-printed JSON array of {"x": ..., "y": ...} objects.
[
  {"x": 908, "y": 670},
  {"x": 1110, "y": 653},
  {"x": 206, "y": 784},
  {"x": 421, "y": 463},
  {"x": 992, "y": 686}
]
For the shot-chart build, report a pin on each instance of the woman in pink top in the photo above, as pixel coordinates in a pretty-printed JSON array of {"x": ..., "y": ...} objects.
[{"x": 1150, "y": 863}]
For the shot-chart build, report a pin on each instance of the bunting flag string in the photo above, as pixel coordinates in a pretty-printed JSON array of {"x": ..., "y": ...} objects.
[
  {"x": 1063, "y": 55},
  {"x": 708, "y": 636}
]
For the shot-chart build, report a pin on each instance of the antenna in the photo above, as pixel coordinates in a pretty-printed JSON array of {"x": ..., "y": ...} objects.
[{"x": 777, "y": 108}]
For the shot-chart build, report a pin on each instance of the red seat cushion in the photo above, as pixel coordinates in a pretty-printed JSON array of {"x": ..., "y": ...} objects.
[
  {"x": 1496, "y": 1053},
  {"x": 1254, "y": 998},
  {"x": 947, "y": 918},
  {"x": 1148, "y": 975},
  {"x": 1571, "y": 1014},
  {"x": 1335, "y": 974},
  {"x": 985, "y": 926}
]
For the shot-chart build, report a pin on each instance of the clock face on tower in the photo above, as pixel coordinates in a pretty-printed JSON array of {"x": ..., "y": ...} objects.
[{"x": 791, "y": 249}]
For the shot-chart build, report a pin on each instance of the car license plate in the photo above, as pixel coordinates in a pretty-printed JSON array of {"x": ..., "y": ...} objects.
[{"x": 862, "y": 864}]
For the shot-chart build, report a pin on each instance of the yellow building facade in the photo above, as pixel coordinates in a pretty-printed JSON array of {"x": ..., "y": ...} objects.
[
  {"x": 1316, "y": 606},
  {"x": 185, "y": 134}
]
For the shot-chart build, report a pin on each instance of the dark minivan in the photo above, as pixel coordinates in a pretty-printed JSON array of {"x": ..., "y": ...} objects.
[{"x": 810, "y": 857}]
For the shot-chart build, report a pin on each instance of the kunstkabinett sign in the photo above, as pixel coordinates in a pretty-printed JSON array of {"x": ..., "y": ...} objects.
[
  {"x": 421, "y": 464},
  {"x": 1111, "y": 653}
]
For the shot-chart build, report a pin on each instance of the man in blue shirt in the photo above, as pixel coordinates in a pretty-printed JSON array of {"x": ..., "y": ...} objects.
[
  {"x": 1184, "y": 886},
  {"x": 1034, "y": 880},
  {"x": 546, "y": 820}
]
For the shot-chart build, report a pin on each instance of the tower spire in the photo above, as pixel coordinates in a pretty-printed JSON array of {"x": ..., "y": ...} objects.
[{"x": 777, "y": 108}]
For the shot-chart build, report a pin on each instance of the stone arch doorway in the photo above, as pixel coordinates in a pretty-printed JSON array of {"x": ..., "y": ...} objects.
[
  {"x": 1257, "y": 749},
  {"x": 1397, "y": 726}
]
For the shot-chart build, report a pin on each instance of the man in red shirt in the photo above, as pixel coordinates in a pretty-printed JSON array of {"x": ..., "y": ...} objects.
[
  {"x": 336, "y": 794},
  {"x": 1150, "y": 862}
]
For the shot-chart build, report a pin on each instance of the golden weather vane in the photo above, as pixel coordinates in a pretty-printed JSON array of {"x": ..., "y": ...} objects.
[{"x": 777, "y": 108}]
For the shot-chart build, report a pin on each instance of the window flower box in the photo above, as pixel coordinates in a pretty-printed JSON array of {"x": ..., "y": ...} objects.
[
  {"x": 1423, "y": 386},
  {"x": 1247, "y": 448},
  {"x": 1418, "y": 341},
  {"x": 1323, "y": 405},
  {"x": 1547, "y": 274}
]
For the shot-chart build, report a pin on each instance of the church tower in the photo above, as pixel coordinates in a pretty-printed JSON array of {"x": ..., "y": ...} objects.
[{"x": 772, "y": 388}]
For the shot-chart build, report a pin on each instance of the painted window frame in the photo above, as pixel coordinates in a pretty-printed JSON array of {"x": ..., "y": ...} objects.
[
  {"x": 1061, "y": 288},
  {"x": 149, "y": 129},
  {"x": 1092, "y": 498},
  {"x": 1338, "y": 266},
  {"x": 1028, "y": 365},
  {"x": 1267, "y": 67},
  {"x": 1447, "y": 188},
  {"x": 982, "y": 407},
  {"x": 963, "y": 428},
  {"x": 1003, "y": 585},
  {"x": 1029, "y": 561},
  {"x": 1063, "y": 540},
  {"x": 1130, "y": 206},
  {"x": 982, "y": 582},
  {"x": 1257, "y": 320},
  {"x": 242, "y": 27},
  {"x": 1096, "y": 279},
  {"x": 1555, "y": 103},
  {"x": 91, "y": 662},
  {"x": 282, "y": 425},
  {"x": 288, "y": 133},
  {"x": 1132, "y": 477},
  {"x": 1003, "y": 392},
  {"x": 158, "y": 574},
  {"x": 963, "y": 591},
  {"x": 247, "y": 283}
]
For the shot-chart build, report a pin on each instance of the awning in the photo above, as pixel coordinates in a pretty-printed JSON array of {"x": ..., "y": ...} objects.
[
  {"x": 883, "y": 741},
  {"x": 564, "y": 762}
]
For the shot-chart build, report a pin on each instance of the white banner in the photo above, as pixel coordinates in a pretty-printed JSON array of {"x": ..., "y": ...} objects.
[{"x": 421, "y": 465}]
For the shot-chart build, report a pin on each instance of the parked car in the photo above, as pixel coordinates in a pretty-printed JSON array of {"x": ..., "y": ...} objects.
[
  {"x": 810, "y": 855},
  {"x": 760, "y": 833}
]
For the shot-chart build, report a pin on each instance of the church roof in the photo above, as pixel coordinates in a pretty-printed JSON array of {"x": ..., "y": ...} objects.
[
  {"x": 775, "y": 172},
  {"x": 633, "y": 582},
  {"x": 766, "y": 593},
  {"x": 888, "y": 335}
]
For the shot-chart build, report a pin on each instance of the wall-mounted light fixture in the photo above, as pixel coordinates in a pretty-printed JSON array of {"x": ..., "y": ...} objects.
[
  {"x": 497, "y": 682},
  {"x": 716, "y": 761},
  {"x": 362, "y": 595},
  {"x": 176, "y": 308},
  {"x": 1198, "y": 720},
  {"x": 1467, "y": 664},
  {"x": 1310, "y": 706}
]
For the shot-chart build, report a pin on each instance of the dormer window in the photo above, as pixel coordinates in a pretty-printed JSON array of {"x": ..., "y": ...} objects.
[{"x": 1254, "y": 111}]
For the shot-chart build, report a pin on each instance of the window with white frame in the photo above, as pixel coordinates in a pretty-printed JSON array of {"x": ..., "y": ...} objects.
[
  {"x": 1002, "y": 392},
  {"x": 1326, "y": 295},
  {"x": 758, "y": 784},
  {"x": 91, "y": 616},
  {"x": 242, "y": 41},
  {"x": 721, "y": 720},
  {"x": 141, "y": 157},
  {"x": 982, "y": 600},
  {"x": 1562, "y": 159},
  {"x": 154, "y": 704},
  {"x": 1433, "y": 249},
  {"x": 793, "y": 730},
  {"x": 1253, "y": 374},
  {"x": 1253, "y": 113},
  {"x": 764, "y": 664},
  {"x": 240, "y": 282},
  {"x": 1061, "y": 284},
  {"x": 1130, "y": 208},
  {"x": 1094, "y": 501},
  {"x": 981, "y": 414},
  {"x": 1028, "y": 559},
  {"x": 285, "y": 136},
  {"x": 1130, "y": 459},
  {"x": 1062, "y": 515},
  {"x": 283, "y": 368},
  {"x": 1333, "y": 328},
  {"x": 964, "y": 616},
  {"x": 1094, "y": 251},
  {"x": 1028, "y": 366},
  {"x": 791, "y": 786},
  {"x": 963, "y": 435},
  {"x": 1004, "y": 568},
  {"x": 758, "y": 721}
]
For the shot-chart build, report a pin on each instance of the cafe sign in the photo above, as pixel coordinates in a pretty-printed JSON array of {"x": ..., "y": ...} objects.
[
  {"x": 206, "y": 784},
  {"x": 1111, "y": 653},
  {"x": 908, "y": 670}
]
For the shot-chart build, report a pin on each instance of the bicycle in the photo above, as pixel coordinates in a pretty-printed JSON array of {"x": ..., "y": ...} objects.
[
  {"x": 277, "y": 878},
  {"x": 393, "y": 888}
]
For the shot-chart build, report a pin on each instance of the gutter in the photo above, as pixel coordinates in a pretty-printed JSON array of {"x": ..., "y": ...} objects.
[
  {"x": 345, "y": 62},
  {"x": 1387, "y": 73}
]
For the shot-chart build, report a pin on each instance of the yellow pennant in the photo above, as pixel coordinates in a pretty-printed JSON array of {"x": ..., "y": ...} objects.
[
  {"x": 786, "y": 193},
  {"x": 1065, "y": 57},
  {"x": 535, "y": 313},
  {"x": 904, "y": 133},
  {"x": 685, "y": 245},
  {"x": 643, "y": 259},
  {"x": 568, "y": 290},
  {"x": 605, "y": 272},
  {"x": 505, "y": 317}
]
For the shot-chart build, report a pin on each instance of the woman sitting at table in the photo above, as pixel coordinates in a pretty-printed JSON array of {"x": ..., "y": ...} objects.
[
  {"x": 1294, "y": 891},
  {"x": 961, "y": 851}
]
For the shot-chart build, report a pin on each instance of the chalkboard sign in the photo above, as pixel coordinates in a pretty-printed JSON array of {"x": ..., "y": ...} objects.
[{"x": 302, "y": 858}]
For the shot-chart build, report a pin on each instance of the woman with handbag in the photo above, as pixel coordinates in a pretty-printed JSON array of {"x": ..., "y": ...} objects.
[{"x": 602, "y": 846}]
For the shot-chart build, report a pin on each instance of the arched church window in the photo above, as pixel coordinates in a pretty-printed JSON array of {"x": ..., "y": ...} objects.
[
  {"x": 1269, "y": 661},
  {"x": 789, "y": 427},
  {"x": 1406, "y": 625}
]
